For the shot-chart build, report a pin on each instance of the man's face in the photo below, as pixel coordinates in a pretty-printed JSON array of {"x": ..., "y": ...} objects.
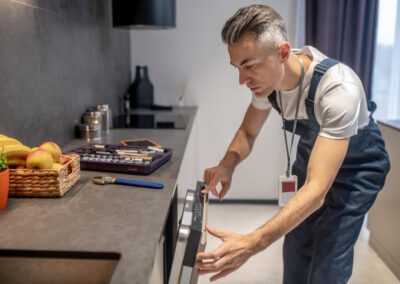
[{"x": 259, "y": 68}]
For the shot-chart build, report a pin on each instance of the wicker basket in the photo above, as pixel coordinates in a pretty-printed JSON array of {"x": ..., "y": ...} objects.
[{"x": 45, "y": 183}]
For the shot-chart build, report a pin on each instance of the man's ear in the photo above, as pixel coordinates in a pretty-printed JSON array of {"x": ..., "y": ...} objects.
[{"x": 284, "y": 51}]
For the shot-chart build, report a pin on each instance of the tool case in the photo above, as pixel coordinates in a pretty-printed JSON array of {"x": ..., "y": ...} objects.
[{"x": 113, "y": 158}]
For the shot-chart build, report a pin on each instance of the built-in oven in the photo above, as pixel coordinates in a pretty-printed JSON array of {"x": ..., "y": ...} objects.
[{"x": 192, "y": 237}]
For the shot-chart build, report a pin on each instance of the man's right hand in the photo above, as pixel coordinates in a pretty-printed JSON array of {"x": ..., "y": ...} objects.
[{"x": 215, "y": 175}]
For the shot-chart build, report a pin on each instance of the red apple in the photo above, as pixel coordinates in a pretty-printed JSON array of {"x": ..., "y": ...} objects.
[
  {"x": 39, "y": 159},
  {"x": 64, "y": 160},
  {"x": 53, "y": 149}
]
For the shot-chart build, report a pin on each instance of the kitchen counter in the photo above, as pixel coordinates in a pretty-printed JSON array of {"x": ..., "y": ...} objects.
[{"x": 120, "y": 220}]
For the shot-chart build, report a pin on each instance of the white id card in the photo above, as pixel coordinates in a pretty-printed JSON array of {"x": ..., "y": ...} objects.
[{"x": 287, "y": 188}]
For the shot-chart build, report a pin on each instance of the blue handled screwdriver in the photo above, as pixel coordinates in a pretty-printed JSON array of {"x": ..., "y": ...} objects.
[{"x": 124, "y": 181}]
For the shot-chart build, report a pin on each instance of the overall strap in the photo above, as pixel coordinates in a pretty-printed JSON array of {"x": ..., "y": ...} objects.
[
  {"x": 319, "y": 71},
  {"x": 273, "y": 101}
]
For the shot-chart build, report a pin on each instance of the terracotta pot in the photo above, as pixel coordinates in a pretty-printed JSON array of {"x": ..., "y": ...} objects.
[{"x": 4, "y": 187}]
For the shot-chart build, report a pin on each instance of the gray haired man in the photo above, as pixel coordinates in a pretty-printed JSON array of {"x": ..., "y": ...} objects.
[{"x": 341, "y": 161}]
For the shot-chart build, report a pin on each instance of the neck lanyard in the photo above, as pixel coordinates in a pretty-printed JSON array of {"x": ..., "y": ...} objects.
[{"x": 289, "y": 152}]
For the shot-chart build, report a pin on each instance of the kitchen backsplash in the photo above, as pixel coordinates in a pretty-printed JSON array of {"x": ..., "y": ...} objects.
[{"x": 58, "y": 57}]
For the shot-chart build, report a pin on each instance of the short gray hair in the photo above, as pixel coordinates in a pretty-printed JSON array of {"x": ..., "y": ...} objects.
[{"x": 262, "y": 21}]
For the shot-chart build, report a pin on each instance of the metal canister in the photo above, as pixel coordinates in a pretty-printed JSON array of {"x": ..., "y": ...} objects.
[
  {"x": 106, "y": 117},
  {"x": 93, "y": 117},
  {"x": 89, "y": 132}
]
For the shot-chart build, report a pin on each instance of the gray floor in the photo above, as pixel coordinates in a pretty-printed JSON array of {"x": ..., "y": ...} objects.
[{"x": 266, "y": 267}]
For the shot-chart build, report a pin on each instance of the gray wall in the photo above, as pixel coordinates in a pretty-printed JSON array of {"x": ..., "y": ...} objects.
[{"x": 58, "y": 57}]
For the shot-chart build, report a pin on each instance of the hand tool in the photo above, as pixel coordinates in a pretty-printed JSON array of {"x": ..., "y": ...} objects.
[{"x": 124, "y": 181}]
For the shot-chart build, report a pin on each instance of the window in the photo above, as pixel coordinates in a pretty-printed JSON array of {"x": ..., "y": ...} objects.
[{"x": 386, "y": 74}]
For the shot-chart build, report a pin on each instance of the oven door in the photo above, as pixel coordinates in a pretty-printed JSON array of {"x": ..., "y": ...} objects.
[{"x": 191, "y": 237}]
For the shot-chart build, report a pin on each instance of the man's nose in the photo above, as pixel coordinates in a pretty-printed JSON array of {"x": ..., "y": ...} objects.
[{"x": 243, "y": 78}]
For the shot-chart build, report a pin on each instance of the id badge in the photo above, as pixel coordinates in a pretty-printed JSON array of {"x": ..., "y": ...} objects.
[{"x": 287, "y": 188}]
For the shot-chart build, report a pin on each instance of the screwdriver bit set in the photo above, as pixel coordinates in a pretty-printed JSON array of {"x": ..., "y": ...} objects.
[{"x": 122, "y": 159}]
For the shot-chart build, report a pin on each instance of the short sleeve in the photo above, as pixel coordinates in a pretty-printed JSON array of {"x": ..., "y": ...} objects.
[
  {"x": 340, "y": 110},
  {"x": 260, "y": 102}
]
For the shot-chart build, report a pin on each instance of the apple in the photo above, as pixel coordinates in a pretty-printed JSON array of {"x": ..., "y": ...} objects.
[
  {"x": 64, "y": 160},
  {"x": 53, "y": 149},
  {"x": 39, "y": 159},
  {"x": 57, "y": 167}
]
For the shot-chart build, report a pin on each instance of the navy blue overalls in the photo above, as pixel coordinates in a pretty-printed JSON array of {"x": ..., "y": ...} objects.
[{"x": 320, "y": 250}]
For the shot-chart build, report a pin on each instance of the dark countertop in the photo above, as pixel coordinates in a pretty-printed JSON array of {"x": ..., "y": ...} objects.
[
  {"x": 109, "y": 218},
  {"x": 393, "y": 123}
]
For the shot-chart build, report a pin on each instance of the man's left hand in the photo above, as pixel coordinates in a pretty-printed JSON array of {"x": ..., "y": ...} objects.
[{"x": 235, "y": 250}]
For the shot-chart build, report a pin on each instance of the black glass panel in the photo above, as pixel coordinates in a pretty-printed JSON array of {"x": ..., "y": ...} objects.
[{"x": 170, "y": 121}]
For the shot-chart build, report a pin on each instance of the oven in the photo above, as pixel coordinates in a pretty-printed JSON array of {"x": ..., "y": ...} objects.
[{"x": 192, "y": 237}]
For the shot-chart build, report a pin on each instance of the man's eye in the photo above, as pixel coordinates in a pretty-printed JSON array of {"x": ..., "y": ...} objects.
[{"x": 249, "y": 66}]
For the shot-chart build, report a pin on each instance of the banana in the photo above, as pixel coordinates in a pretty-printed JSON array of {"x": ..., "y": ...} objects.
[
  {"x": 3, "y": 136},
  {"x": 16, "y": 162},
  {"x": 4, "y": 141},
  {"x": 16, "y": 151}
]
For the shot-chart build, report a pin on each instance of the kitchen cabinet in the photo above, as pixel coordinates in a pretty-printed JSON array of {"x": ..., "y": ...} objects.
[{"x": 383, "y": 218}]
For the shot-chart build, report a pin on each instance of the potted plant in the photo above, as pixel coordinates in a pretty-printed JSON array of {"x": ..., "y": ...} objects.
[{"x": 4, "y": 180}]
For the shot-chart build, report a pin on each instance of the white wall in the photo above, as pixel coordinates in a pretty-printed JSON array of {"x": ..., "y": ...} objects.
[{"x": 194, "y": 53}]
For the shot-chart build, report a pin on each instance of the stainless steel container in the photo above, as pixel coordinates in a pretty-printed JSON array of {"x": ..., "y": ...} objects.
[
  {"x": 106, "y": 117},
  {"x": 89, "y": 132},
  {"x": 93, "y": 117}
]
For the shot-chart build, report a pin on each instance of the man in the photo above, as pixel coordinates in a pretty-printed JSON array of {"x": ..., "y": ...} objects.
[{"x": 341, "y": 161}]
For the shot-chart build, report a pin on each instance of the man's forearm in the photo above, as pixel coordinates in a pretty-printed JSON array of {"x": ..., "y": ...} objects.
[
  {"x": 238, "y": 150},
  {"x": 324, "y": 163},
  {"x": 243, "y": 141},
  {"x": 302, "y": 205}
]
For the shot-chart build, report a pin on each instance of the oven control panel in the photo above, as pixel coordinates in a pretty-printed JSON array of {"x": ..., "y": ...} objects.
[{"x": 191, "y": 237}]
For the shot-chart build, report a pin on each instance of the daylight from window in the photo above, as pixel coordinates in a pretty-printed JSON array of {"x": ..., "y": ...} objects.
[{"x": 386, "y": 74}]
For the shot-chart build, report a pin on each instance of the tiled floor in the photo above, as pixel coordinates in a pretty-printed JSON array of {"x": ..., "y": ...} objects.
[{"x": 266, "y": 267}]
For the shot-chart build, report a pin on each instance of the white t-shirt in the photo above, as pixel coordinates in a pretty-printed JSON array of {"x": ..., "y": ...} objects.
[{"x": 340, "y": 104}]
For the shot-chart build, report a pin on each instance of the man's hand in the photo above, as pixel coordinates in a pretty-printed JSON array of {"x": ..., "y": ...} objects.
[
  {"x": 214, "y": 176},
  {"x": 235, "y": 250}
]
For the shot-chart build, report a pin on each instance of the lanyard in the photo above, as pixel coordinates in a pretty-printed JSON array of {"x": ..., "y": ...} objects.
[{"x": 289, "y": 152}]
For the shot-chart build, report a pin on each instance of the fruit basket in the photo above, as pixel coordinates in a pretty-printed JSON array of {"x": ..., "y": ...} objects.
[{"x": 45, "y": 183}]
